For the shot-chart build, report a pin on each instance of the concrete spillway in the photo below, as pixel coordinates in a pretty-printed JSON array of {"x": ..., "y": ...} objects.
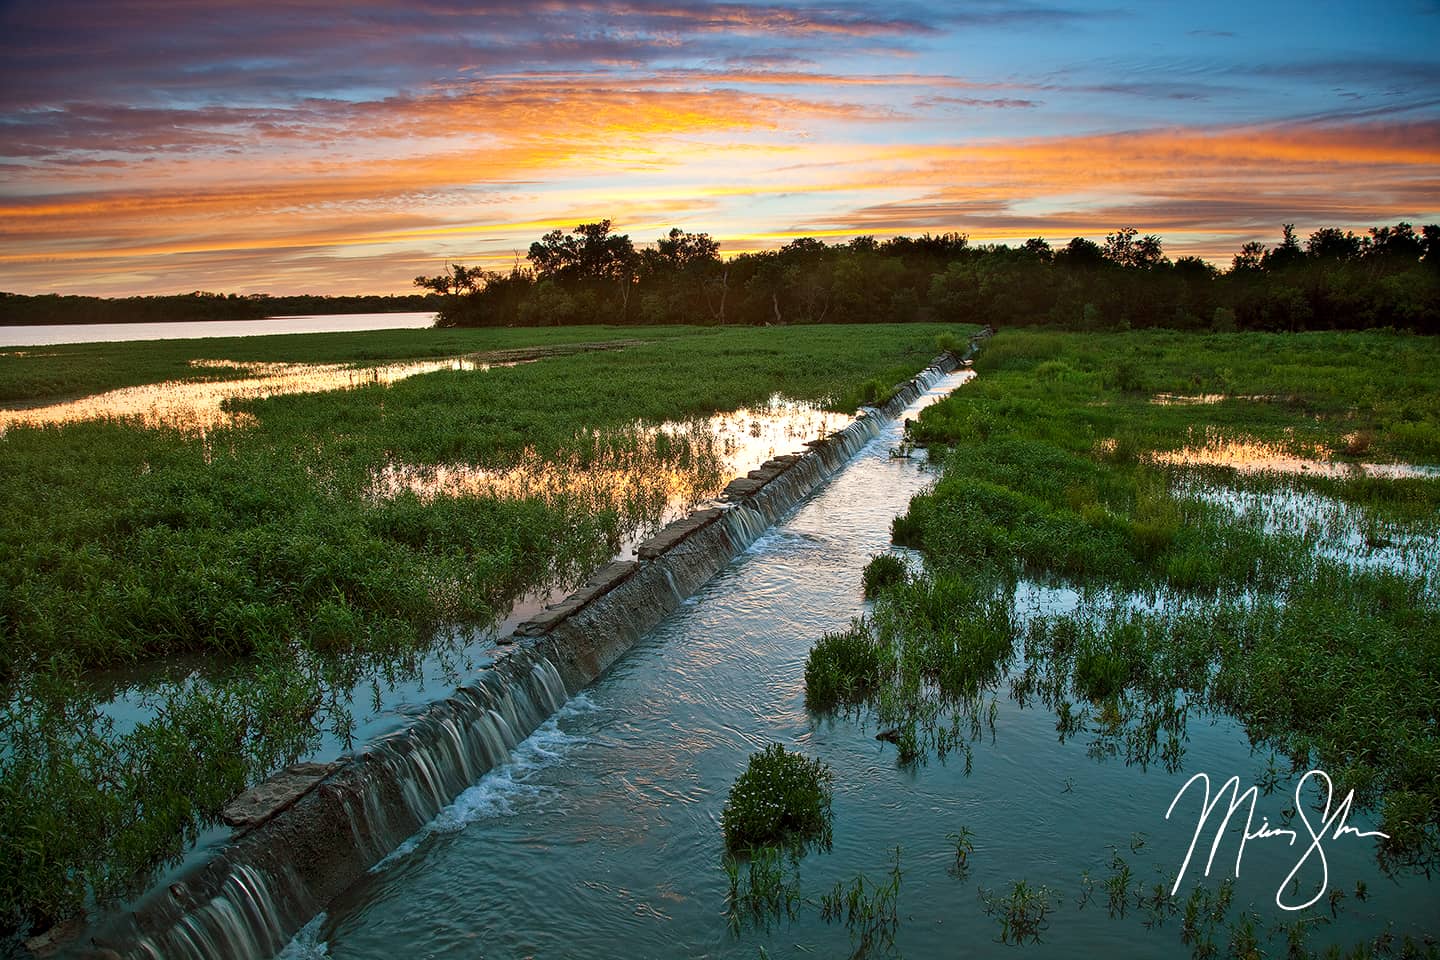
[{"x": 307, "y": 834}]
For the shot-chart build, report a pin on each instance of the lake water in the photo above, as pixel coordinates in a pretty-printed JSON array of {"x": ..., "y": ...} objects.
[{"x": 45, "y": 335}]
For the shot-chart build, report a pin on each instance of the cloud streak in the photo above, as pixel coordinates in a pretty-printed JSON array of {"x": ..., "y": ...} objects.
[{"x": 300, "y": 145}]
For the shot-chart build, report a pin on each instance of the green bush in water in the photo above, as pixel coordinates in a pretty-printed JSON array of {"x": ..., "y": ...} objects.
[
  {"x": 842, "y": 669},
  {"x": 781, "y": 799}
]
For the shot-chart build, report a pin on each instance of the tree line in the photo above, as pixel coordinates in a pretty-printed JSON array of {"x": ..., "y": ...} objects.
[
  {"x": 21, "y": 310},
  {"x": 1334, "y": 279}
]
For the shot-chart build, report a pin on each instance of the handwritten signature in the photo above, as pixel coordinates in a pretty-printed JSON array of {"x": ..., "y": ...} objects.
[{"x": 1332, "y": 826}]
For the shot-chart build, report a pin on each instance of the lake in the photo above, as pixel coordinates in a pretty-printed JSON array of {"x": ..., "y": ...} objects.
[{"x": 44, "y": 335}]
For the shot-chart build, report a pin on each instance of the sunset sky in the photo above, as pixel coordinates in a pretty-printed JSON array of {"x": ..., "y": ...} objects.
[{"x": 303, "y": 146}]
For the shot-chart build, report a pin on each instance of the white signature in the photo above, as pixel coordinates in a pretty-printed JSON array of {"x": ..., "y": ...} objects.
[{"x": 1332, "y": 826}]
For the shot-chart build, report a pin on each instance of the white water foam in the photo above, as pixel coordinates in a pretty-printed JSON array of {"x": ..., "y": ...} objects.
[
  {"x": 306, "y": 944},
  {"x": 498, "y": 792}
]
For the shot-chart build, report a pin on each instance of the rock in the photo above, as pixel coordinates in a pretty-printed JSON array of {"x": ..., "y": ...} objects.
[
  {"x": 264, "y": 800},
  {"x": 47, "y": 944},
  {"x": 742, "y": 487}
]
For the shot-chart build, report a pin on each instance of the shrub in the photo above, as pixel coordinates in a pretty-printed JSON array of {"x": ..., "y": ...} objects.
[
  {"x": 782, "y": 798},
  {"x": 908, "y": 529},
  {"x": 876, "y": 392},
  {"x": 1126, "y": 375},
  {"x": 949, "y": 343}
]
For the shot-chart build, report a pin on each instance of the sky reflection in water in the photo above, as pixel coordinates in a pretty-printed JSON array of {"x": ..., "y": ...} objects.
[{"x": 200, "y": 406}]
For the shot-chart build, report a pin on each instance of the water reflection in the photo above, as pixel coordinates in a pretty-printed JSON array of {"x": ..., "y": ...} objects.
[
  {"x": 199, "y": 406},
  {"x": 1333, "y": 529},
  {"x": 1247, "y": 455},
  {"x": 647, "y": 473},
  {"x": 1207, "y": 399}
]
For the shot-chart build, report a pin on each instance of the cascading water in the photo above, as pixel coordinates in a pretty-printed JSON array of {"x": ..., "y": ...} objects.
[
  {"x": 245, "y": 919},
  {"x": 261, "y": 901}
]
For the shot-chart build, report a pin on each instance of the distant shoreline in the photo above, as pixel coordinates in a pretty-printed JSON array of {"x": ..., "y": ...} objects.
[
  {"x": 7, "y": 322},
  {"x": 22, "y": 310},
  {"x": 26, "y": 336}
]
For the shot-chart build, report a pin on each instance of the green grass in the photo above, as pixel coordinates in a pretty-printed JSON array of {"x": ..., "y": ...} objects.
[
  {"x": 1074, "y": 390},
  {"x": 131, "y": 544},
  {"x": 1049, "y": 477},
  {"x": 257, "y": 549}
]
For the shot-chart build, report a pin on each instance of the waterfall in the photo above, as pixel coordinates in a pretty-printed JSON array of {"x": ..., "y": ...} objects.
[
  {"x": 244, "y": 919},
  {"x": 257, "y": 904}
]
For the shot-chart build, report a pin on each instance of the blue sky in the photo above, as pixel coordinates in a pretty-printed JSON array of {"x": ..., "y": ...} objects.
[{"x": 289, "y": 146}]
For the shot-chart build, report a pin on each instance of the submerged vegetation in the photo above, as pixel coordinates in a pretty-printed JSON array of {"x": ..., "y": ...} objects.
[
  {"x": 778, "y": 808},
  {"x": 253, "y": 581},
  {"x": 1073, "y": 564}
]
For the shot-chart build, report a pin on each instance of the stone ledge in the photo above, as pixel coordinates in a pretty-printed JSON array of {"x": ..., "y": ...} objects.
[
  {"x": 741, "y": 487},
  {"x": 601, "y": 582},
  {"x": 264, "y": 800},
  {"x": 676, "y": 532}
]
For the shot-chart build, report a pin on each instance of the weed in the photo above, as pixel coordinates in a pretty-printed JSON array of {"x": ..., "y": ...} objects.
[
  {"x": 843, "y": 669},
  {"x": 964, "y": 842},
  {"x": 1024, "y": 912},
  {"x": 881, "y": 572},
  {"x": 764, "y": 887},
  {"x": 868, "y": 911}
]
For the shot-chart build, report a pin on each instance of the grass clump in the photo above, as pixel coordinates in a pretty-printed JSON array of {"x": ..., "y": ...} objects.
[
  {"x": 843, "y": 669},
  {"x": 881, "y": 572},
  {"x": 1023, "y": 912},
  {"x": 868, "y": 909},
  {"x": 782, "y": 799},
  {"x": 764, "y": 889}
]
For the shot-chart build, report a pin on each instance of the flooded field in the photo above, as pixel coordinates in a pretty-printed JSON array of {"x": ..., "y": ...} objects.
[
  {"x": 643, "y": 488},
  {"x": 252, "y": 591},
  {"x": 1249, "y": 455},
  {"x": 1058, "y": 796},
  {"x": 199, "y": 406},
  {"x": 651, "y": 473},
  {"x": 1089, "y": 609}
]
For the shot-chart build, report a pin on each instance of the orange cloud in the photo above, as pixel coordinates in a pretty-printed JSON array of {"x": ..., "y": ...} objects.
[{"x": 475, "y": 170}]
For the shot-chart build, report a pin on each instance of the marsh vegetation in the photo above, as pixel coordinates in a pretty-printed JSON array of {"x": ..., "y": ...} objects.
[
  {"x": 1072, "y": 564},
  {"x": 250, "y": 573}
]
